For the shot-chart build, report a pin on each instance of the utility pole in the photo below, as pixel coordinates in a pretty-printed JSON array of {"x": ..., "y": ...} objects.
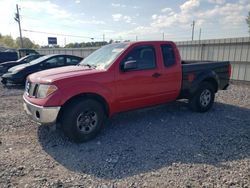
[
  {"x": 200, "y": 35},
  {"x": 163, "y": 36},
  {"x": 136, "y": 38},
  {"x": 103, "y": 37},
  {"x": 17, "y": 18},
  {"x": 193, "y": 24}
]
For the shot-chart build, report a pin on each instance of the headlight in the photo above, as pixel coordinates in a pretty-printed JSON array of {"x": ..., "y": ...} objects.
[
  {"x": 45, "y": 90},
  {"x": 18, "y": 69}
]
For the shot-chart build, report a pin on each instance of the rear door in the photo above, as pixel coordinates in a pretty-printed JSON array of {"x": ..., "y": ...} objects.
[{"x": 171, "y": 71}]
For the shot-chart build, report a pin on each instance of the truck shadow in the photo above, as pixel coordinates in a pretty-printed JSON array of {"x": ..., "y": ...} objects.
[{"x": 146, "y": 140}]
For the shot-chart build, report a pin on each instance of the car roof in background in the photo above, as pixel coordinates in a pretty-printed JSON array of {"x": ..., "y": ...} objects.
[{"x": 44, "y": 57}]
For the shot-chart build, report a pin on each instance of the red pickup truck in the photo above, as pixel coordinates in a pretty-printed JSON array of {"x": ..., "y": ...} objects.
[{"x": 120, "y": 77}]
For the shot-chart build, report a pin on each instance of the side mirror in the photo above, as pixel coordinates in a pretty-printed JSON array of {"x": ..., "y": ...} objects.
[{"x": 129, "y": 65}]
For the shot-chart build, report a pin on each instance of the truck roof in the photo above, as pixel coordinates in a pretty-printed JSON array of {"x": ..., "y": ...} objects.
[{"x": 146, "y": 42}]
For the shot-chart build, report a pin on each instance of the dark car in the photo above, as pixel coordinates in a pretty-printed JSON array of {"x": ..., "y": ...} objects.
[
  {"x": 7, "y": 65},
  {"x": 18, "y": 74},
  {"x": 26, "y": 51},
  {"x": 8, "y": 56},
  {"x": 14, "y": 55}
]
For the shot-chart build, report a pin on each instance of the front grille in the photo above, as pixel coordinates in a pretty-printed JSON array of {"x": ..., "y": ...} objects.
[{"x": 31, "y": 89}]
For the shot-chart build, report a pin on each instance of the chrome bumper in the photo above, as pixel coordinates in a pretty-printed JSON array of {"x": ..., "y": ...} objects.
[{"x": 40, "y": 114}]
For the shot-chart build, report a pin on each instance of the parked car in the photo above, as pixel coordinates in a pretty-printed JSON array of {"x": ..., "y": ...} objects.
[
  {"x": 18, "y": 74},
  {"x": 120, "y": 77},
  {"x": 7, "y": 65},
  {"x": 8, "y": 56},
  {"x": 13, "y": 55},
  {"x": 22, "y": 52}
]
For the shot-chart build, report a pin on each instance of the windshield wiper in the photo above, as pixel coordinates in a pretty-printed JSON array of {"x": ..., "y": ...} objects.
[{"x": 88, "y": 65}]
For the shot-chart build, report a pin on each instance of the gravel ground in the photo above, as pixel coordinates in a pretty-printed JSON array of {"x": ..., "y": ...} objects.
[{"x": 164, "y": 146}]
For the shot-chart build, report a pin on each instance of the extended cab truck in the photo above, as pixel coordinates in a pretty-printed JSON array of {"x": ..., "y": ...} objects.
[{"x": 116, "y": 78}]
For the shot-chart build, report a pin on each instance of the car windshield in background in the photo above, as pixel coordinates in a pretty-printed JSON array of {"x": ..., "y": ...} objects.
[
  {"x": 104, "y": 56},
  {"x": 39, "y": 59},
  {"x": 21, "y": 59}
]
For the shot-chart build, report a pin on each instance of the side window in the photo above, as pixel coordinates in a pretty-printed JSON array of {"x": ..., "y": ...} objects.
[
  {"x": 144, "y": 56},
  {"x": 56, "y": 61},
  {"x": 72, "y": 61},
  {"x": 168, "y": 55}
]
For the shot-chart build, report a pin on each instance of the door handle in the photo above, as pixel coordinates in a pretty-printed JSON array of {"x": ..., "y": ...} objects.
[{"x": 156, "y": 75}]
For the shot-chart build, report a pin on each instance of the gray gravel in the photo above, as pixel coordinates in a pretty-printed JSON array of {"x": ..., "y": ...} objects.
[{"x": 164, "y": 146}]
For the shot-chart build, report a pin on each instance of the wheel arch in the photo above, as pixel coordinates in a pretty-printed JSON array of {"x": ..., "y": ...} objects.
[
  {"x": 213, "y": 82},
  {"x": 209, "y": 76},
  {"x": 83, "y": 96}
]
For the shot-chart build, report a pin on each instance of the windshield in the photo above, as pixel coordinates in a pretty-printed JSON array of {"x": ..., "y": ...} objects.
[
  {"x": 23, "y": 58},
  {"x": 39, "y": 59},
  {"x": 104, "y": 56}
]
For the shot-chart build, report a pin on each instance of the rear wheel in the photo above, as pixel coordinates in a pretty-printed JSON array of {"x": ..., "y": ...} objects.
[
  {"x": 203, "y": 98},
  {"x": 81, "y": 121}
]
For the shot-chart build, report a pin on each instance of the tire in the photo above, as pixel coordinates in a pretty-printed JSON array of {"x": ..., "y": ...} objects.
[
  {"x": 203, "y": 98},
  {"x": 4, "y": 81},
  {"x": 82, "y": 121}
]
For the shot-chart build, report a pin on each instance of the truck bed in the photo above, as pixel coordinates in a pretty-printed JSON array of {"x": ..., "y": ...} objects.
[{"x": 218, "y": 70}]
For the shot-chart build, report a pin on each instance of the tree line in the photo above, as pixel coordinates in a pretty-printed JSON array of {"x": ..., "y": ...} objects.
[{"x": 8, "y": 42}]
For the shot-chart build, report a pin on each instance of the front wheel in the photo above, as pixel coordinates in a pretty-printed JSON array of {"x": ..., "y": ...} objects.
[
  {"x": 203, "y": 98},
  {"x": 81, "y": 121},
  {"x": 4, "y": 81}
]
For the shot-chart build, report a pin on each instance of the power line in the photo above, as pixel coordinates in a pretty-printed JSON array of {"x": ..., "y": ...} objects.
[{"x": 60, "y": 34}]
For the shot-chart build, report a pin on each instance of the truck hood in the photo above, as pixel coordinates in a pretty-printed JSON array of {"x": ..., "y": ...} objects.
[{"x": 51, "y": 75}]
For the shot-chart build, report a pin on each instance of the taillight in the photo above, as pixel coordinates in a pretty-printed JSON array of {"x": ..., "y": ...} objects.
[{"x": 230, "y": 70}]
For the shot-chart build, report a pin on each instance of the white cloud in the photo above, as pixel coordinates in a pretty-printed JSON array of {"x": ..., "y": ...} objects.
[
  {"x": 140, "y": 31},
  {"x": 46, "y": 7},
  {"x": 217, "y": 1},
  {"x": 221, "y": 16},
  {"x": 127, "y": 19},
  {"x": 108, "y": 31},
  {"x": 166, "y": 10},
  {"x": 135, "y": 7},
  {"x": 118, "y": 5},
  {"x": 227, "y": 14},
  {"x": 120, "y": 17},
  {"x": 117, "y": 17},
  {"x": 189, "y": 5},
  {"x": 93, "y": 22},
  {"x": 154, "y": 16},
  {"x": 77, "y": 1}
]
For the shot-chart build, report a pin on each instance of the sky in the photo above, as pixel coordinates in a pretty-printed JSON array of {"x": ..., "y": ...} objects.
[{"x": 95, "y": 20}]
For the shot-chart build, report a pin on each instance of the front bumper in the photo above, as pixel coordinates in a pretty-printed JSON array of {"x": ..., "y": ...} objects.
[
  {"x": 40, "y": 114},
  {"x": 12, "y": 78}
]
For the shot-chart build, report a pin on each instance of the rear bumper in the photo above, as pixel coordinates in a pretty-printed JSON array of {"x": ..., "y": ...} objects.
[{"x": 40, "y": 114}]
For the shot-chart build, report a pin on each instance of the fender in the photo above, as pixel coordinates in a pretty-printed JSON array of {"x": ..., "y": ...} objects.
[
  {"x": 73, "y": 89},
  {"x": 205, "y": 75}
]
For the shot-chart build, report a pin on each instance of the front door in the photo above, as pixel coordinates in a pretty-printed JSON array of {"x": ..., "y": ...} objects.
[{"x": 140, "y": 86}]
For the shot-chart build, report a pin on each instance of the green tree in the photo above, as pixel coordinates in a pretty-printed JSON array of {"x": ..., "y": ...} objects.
[
  {"x": 248, "y": 21},
  {"x": 8, "y": 41},
  {"x": 27, "y": 43}
]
